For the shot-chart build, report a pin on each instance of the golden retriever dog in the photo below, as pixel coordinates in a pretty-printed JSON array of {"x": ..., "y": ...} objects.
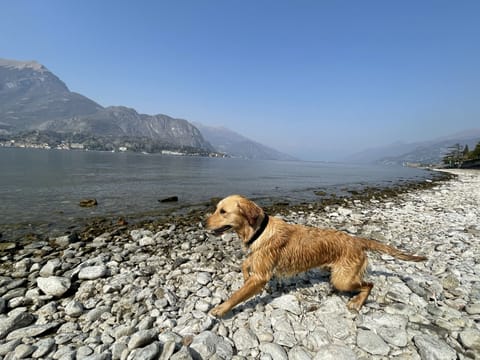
[{"x": 278, "y": 248}]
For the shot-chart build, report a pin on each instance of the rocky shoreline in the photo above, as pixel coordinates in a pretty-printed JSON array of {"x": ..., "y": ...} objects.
[{"x": 145, "y": 292}]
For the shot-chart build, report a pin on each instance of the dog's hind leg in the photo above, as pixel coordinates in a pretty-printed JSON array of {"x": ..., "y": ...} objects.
[{"x": 348, "y": 277}]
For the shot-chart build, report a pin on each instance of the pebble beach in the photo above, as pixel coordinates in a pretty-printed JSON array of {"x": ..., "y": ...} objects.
[{"x": 145, "y": 293}]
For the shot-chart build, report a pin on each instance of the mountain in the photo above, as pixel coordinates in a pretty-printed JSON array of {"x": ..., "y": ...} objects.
[
  {"x": 425, "y": 152},
  {"x": 236, "y": 145},
  {"x": 34, "y": 99}
]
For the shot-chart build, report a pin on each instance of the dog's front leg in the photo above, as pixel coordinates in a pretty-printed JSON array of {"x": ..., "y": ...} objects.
[{"x": 252, "y": 286}]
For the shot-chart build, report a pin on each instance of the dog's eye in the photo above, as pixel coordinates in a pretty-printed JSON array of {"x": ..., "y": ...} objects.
[{"x": 222, "y": 211}]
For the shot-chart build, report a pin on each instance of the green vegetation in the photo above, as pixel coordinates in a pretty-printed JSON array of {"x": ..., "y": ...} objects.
[{"x": 457, "y": 155}]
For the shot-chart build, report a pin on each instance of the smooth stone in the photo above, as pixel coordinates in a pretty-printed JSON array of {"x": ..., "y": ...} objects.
[
  {"x": 92, "y": 272},
  {"x": 182, "y": 354},
  {"x": 9, "y": 346},
  {"x": 95, "y": 313},
  {"x": 288, "y": 303},
  {"x": 23, "y": 351},
  {"x": 204, "y": 278},
  {"x": 335, "y": 352},
  {"x": 146, "y": 241},
  {"x": 207, "y": 344},
  {"x": 118, "y": 348},
  {"x": 142, "y": 338},
  {"x": 275, "y": 351},
  {"x": 299, "y": 353},
  {"x": 43, "y": 347},
  {"x": 17, "y": 319},
  {"x": 244, "y": 339},
  {"x": 472, "y": 309},
  {"x": 74, "y": 309},
  {"x": 470, "y": 338},
  {"x": 3, "y": 305},
  {"x": 50, "y": 267},
  {"x": 168, "y": 350},
  {"x": 432, "y": 348},
  {"x": 372, "y": 343},
  {"x": 54, "y": 285},
  {"x": 148, "y": 352},
  {"x": 396, "y": 337},
  {"x": 31, "y": 331}
]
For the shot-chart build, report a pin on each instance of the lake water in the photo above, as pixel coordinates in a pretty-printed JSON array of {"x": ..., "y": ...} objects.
[{"x": 45, "y": 186}]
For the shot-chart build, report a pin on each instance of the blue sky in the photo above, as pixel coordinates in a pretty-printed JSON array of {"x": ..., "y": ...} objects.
[{"x": 316, "y": 79}]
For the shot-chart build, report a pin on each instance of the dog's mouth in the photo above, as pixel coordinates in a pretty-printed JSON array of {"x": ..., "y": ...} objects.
[{"x": 221, "y": 230}]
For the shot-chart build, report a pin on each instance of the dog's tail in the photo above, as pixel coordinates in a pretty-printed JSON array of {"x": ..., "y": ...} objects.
[{"x": 375, "y": 245}]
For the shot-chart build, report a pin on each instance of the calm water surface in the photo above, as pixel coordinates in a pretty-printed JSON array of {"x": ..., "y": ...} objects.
[{"x": 46, "y": 185}]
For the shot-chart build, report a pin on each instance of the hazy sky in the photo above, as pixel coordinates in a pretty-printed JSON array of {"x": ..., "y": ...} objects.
[{"x": 311, "y": 78}]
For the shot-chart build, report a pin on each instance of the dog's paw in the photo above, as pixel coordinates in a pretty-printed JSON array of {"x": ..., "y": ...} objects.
[
  {"x": 220, "y": 310},
  {"x": 354, "y": 306}
]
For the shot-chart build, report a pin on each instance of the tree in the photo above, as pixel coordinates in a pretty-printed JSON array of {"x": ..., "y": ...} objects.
[
  {"x": 475, "y": 153},
  {"x": 454, "y": 156}
]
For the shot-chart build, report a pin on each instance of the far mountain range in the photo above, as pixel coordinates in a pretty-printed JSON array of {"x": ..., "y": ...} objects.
[
  {"x": 35, "y": 105},
  {"x": 423, "y": 152}
]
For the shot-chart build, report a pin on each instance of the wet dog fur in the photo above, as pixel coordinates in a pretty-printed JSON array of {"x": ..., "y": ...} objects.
[{"x": 283, "y": 249}]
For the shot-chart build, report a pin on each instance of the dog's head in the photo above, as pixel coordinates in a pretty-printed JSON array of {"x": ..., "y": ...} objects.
[{"x": 235, "y": 213}]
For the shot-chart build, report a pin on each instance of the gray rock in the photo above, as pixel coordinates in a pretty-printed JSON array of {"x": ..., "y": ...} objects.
[
  {"x": 54, "y": 285},
  {"x": 148, "y": 352},
  {"x": 3, "y": 305},
  {"x": 142, "y": 338},
  {"x": 207, "y": 344},
  {"x": 43, "y": 347},
  {"x": 23, "y": 351},
  {"x": 203, "y": 278},
  {"x": 65, "y": 353},
  {"x": 472, "y": 309},
  {"x": 92, "y": 272},
  {"x": 275, "y": 351},
  {"x": 470, "y": 338},
  {"x": 335, "y": 352},
  {"x": 123, "y": 330},
  {"x": 372, "y": 343},
  {"x": 289, "y": 303},
  {"x": 9, "y": 346},
  {"x": 84, "y": 351},
  {"x": 146, "y": 241},
  {"x": 118, "y": 348},
  {"x": 316, "y": 340},
  {"x": 396, "y": 337},
  {"x": 450, "y": 282},
  {"x": 74, "y": 309},
  {"x": 432, "y": 348},
  {"x": 95, "y": 314},
  {"x": 299, "y": 353},
  {"x": 182, "y": 354},
  {"x": 17, "y": 319},
  {"x": 168, "y": 350},
  {"x": 31, "y": 331},
  {"x": 50, "y": 267},
  {"x": 244, "y": 339}
]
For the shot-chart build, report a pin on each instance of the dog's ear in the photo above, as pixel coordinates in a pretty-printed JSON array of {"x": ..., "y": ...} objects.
[{"x": 251, "y": 211}]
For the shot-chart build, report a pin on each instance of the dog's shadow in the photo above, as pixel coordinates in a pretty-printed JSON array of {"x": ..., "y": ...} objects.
[{"x": 313, "y": 279}]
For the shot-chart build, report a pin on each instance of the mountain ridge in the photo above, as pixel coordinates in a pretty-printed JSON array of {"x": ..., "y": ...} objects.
[
  {"x": 422, "y": 152},
  {"x": 33, "y": 99},
  {"x": 230, "y": 142}
]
